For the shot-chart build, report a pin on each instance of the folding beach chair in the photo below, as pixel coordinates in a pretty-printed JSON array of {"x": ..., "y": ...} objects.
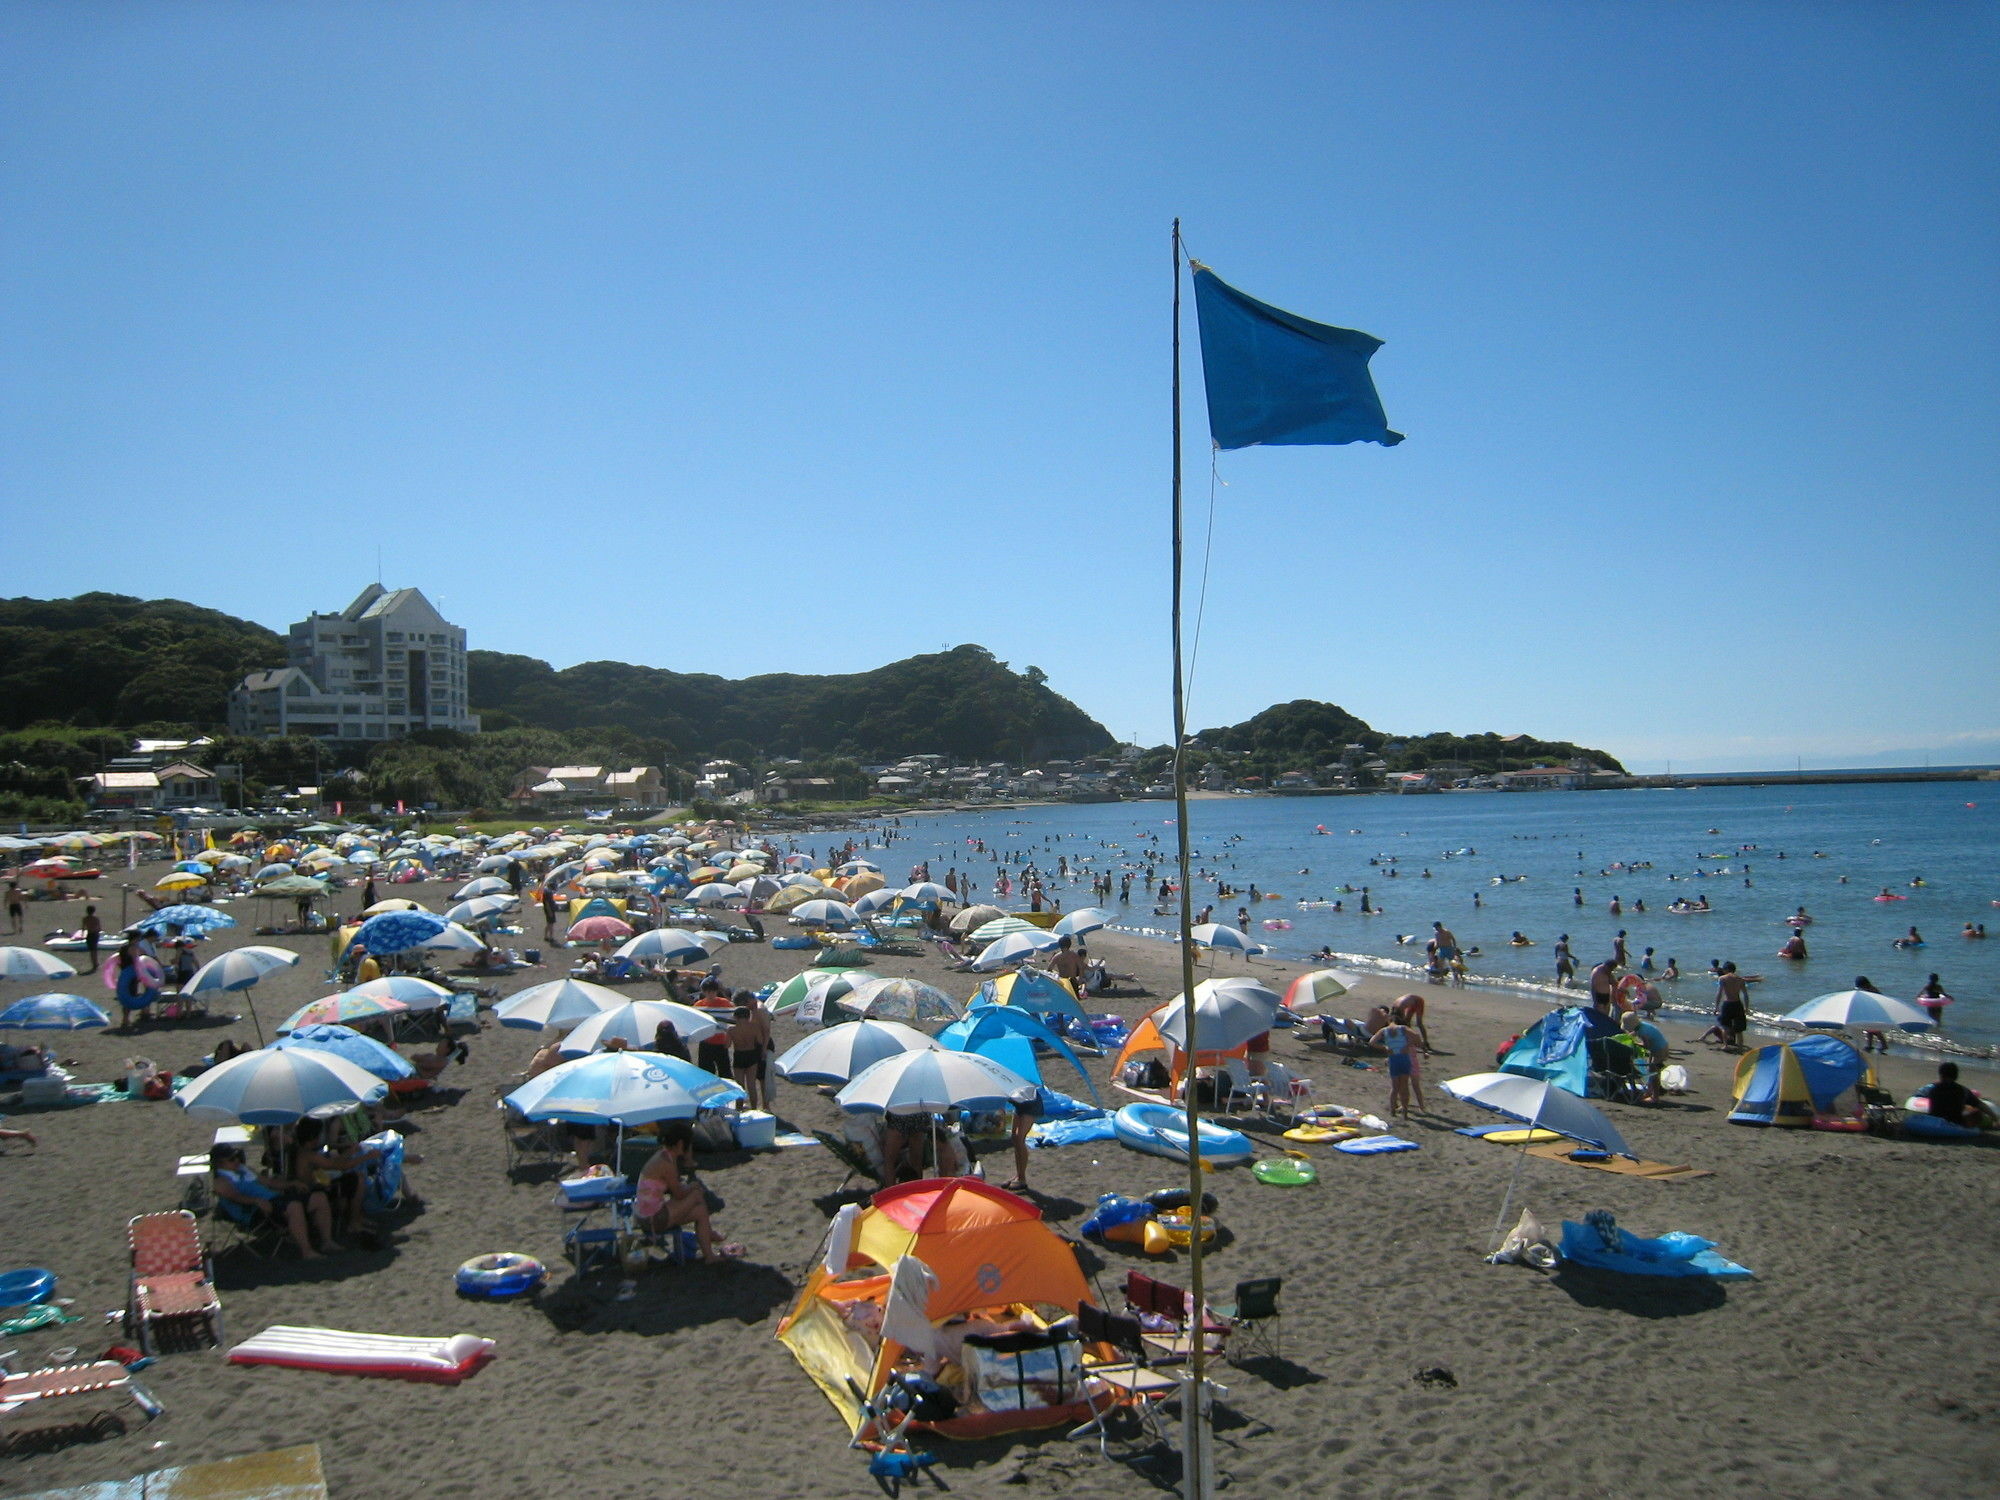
[
  {"x": 1125, "y": 1381},
  {"x": 529, "y": 1143},
  {"x": 1252, "y": 1318},
  {"x": 28, "y": 1398},
  {"x": 172, "y": 1292},
  {"x": 1162, "y": 1299}
]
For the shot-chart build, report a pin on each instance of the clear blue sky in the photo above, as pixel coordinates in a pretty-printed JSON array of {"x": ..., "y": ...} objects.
[{"x": 749, "y": 338}]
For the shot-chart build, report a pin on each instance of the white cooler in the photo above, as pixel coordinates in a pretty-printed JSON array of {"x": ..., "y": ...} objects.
[{"x": 756, "y": 1130}]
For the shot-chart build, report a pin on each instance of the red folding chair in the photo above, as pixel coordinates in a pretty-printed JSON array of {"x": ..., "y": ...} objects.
[{"x": 172, "y": 1294}]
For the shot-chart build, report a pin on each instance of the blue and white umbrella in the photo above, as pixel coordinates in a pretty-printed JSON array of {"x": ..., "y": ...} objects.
[
  {"x": 399, "y": 931},
  {"x": 715, "y": 893},
  {"x": 876, "y": 901},
  {"x": 859, "y": 866},
  {"x": 349, "y": 1045},
  {"x": 52, "y": 1013},
  {"x": 1084, "y": 920},
  {"x": 485, "y": 885},
  {"x": 32, "y": 963},
  {"x": 1217, "y": 935},
  {"x": 561, "y": 1002},
  {"x": 622, "y": 1088},
  {"x": 238, "y": 969},
  {"x": 636, "y": 1023},
  {"x": 277, "y": 1088},
  {"x": 927, "y": 1082},
  {"x": 482, "y": 909},
  {"x": 418, "y": 994},
  {"x": 277, "y": 871},
  {"x": 1014, "y": 948},
  {"x": 825, "y": 914},
  {"x": 194, "y": 921},
  {"x": 1861, "y": 1008},
  {"x": 674, "y": 944},
  {"x": 928, "y": 892},
  {"x": 835, "y": 1055}
]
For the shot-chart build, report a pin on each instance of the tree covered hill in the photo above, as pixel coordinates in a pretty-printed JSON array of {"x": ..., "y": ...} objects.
[
  {"x": 960, "y": 703},
  {"x": 1306, "y": 734}
]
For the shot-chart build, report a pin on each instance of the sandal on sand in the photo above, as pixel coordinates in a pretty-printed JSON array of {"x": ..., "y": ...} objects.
[{"x": 730, "y": 1251}]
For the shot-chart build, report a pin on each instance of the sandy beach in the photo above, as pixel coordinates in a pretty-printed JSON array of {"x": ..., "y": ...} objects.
[{"x": 1861, "y": 1359}]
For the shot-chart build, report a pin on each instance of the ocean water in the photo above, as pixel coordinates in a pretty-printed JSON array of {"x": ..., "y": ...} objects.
[{"x": 1756, "y": 853}]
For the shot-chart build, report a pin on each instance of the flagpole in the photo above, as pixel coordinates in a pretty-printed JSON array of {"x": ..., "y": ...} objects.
[{"x": 1195, "y": 1459}]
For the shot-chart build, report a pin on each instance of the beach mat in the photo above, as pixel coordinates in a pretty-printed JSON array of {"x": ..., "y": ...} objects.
[
  {"x": 1656, "y": 1171},
  {"x": 281, "y": 1474}
]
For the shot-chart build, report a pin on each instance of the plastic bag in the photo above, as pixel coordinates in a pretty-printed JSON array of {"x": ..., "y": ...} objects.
[
  {"x": 1527, "y": 1244},
  {"x": 1674, "y": 1079}
]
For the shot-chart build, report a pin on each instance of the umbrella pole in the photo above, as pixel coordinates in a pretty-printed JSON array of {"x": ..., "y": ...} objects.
[
  {"x": 250, "y": 1000},
  {"x": 1507, "y": 1199}
]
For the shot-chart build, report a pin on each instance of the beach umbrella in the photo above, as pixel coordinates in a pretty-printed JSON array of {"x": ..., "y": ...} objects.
[
  {"x": 1539, "y": 1105},
  {"x": 859, "y": 866},
  {"x": 838, "y": 981},
  {"x": 1033, "y": 990},
  {"x": 674, "y": 944},
  {"x": 230, "y": 861},
  {"x": 825, "y": 914},
  {"x": 607, "y": 880},
  {"x": 417, "y": 994},
  {"x": 349, "y": 1045},
  {"x": 794, "y": 896},
  {"x": 636, "y": 1022},
  {"x": 341, "y": 1010},
  {"x": 975, "y": 916},
  {"x": 561, "y": 1002},
  {"x": 864, "y": 884},
  {"x": 875, "y": 901},
  {"x": 1318, "y": 986},
  {"x": 928, "y": 1082},
  {"x": 238, "y": 969},
  {"x": 999, "y": 927},
  {"x": 1859, "y": 1008},
  {"x": 1227, "y": 1012},
  {"x": 179, "y": 880},
  {"x": 399, "y": 931},
  {"x": 485, "y": 885},
  {"x": 291, "y": 887},
  {"x": 266, "y": 1087},
  {"x": 600, "y": 930},
  {"x": 32, "y": 963},
  {"x": 193, "y": 921},
  {"x": 493, "y": 862},
  {"x": 481, "y": 909},
  {"x": 273, "y": 872},
  {"x": 393, "y": 903},
  {"x": 52, "y": 1013},
  {"x": 835, "y": 1055},
  {"x": 622, "y": 1088},
  {"x": 1218, "y": 935},
  {"x": 454, "y": 939},
  {"x": 714, "y": 893},
  {"x": 899, "y": 998},
  {"x": 928, "y": 891},
  {"x": 1016, "y": 947},
  {"x": 1084, "y": 920}
]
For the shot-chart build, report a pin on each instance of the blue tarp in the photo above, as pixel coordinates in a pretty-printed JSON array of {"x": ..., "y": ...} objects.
[
  {"x": 1073, "y": 1132},
  {"x": 1672, "y": 1254},
  {"x": 1557, "y": 1048}
]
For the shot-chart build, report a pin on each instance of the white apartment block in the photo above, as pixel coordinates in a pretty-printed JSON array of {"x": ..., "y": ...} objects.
[{"x": 386, "y": 665}]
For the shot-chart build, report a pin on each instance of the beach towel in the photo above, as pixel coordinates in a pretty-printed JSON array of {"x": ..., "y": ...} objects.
[
  {"x": 1073, "y": 1132},
  {"x": 1656, "y": 1171},
  {"x": 1610, "y": 1248},
  {"x": 1376, "y": 1145}
]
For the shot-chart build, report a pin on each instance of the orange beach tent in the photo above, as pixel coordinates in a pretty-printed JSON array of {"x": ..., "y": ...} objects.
[{"x": 988, "y": 1250}]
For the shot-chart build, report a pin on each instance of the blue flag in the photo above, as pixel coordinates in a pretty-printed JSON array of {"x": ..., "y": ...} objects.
[{"x": 1274, "y": 377}]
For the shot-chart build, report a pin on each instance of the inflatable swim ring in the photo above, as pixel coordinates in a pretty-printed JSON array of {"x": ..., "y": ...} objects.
[
  {"x": 1277, "y": 924},
  {"x": 1161, "y": 1130},
  {"x": 29, "y": 1284},
  {"x": 1285, "y": 1171},
  {"x": 1178, "y": 1226},
  {"x": 1145, "y": 1233},
  {"x": 1319, "y": 1134},
  {"x": 505, "y": 1274},
  {"x": 151, "y": 975}
]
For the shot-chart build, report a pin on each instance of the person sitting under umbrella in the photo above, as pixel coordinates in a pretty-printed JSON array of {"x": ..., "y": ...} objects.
[
  {"x": 669, "y": 1195},
  {"x": 246, "y": 1197}
]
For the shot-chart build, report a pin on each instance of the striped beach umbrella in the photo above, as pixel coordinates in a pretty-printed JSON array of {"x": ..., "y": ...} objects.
[
  {"x": 277, "y": 1088},
  {"x": 52, "y": 1013},
  {"x": 32, "y": 963},
  {"x": 622, "y": 1088}
]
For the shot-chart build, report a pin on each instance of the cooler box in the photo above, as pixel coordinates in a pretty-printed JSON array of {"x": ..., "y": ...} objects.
[{"x": 756, "y": 1130}]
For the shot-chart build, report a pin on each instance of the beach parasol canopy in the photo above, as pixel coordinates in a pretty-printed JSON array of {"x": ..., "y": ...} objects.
[
  {"x": 673, "y": 944},
  {"x": 1540, "y": 1105},
  {"x": 926, "y": 891},
  {"x": 928, "y": 1082},
  {"x": 417, "y": 994},
  {"x": 393, "y": 903},
  {"x": 485, "y": 885},
  {"x": 454, "y": 939},
  {"x": 238, "y": 969},
  {"x": 1004, "y": 926},
  {"x": 975, "y": 916},
  {"x": 622, "y": 1088},
  {"x": 857, "y": 867},
  {"x": 1859, "y": 1008},
  {"x": 341, "y": 1010},
  {"x": 349, "y": 1045},
  {"x": 52, "y": 1013},
  {"x": 1016, "y": 947},
  {"x": 899, "y": 998},
  {"x": 835, "y": 1055},
  {"x": 278, "y": 1088},
  {"x": 1318, "y": 986},
  {"x": 32, "y": 963},
  {"x": 179, "y": 880},
  {"x": 399, "y": 931},
  {"x": 825, "y": 914},
  {"x": 1227, "y": 1013},
  {"x": 1218, "y": 935},
  {"x": 481, "y": 909},
  {"x": 714, "y": 893},
  {"x": 636, "y": 1023},
  {"x": 561, "y": 1002},
  {"x": 1083, "y": 921},
  {"x": 600, "y": 930},
  {"x": 193, "y": 921},
  {"x": 291, "y": 887},
  {"x": 837, "y": 982}
]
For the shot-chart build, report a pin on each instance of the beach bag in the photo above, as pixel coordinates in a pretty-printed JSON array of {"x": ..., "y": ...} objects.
[
  {"x": 159, "y": 1086},
  {"x": 138, "y": 1070},
  {"x": 714, "y": 1132},
  {"x": 1023, "y": 1371}
]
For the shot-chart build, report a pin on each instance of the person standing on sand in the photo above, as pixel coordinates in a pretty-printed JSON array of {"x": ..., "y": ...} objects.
[
  {"x": 1405, "y": 1078},
  {"x": 1732, "y": 1007},
  {"x": 548, "y": 915},
  {"x": 93, "y": 934},
  {"x": 16, "y": 912}
]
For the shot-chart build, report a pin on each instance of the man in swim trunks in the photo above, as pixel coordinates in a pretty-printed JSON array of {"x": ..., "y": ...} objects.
[
  {"x": 1447, "y": 944},
  {"x": 1732, "y": 1007},
  {"x": 1565, "y": 963},
  {"x": 746, "y": 1053},
  {"x": 1603, "y": 982}
]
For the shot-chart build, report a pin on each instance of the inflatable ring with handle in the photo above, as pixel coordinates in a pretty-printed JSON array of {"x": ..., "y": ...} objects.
[{"x": 503, "y": 1274}]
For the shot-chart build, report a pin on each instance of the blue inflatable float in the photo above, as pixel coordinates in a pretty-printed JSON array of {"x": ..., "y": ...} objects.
[{"x": 1161, "y": 1130}]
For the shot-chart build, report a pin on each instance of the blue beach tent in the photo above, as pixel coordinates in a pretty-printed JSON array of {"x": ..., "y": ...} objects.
[
  {"x": 1557, "y": 1048},
  {"x": 1010, "y": 1037},
  {"x": 1787, "y": 1083}
]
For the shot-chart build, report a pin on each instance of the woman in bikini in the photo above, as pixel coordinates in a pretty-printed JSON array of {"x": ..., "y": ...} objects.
[{"x": 668, "y": 1195}]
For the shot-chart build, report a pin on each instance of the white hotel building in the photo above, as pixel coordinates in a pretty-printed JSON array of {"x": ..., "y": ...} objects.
[{"x": 384, "y": 666}]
